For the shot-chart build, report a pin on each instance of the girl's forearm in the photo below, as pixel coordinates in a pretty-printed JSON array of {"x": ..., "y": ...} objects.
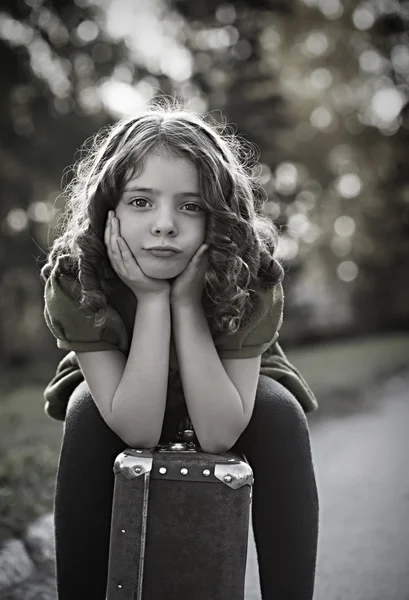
[
  {"x": 213, "y": 402},
  {"x": 139, "y": 402}
]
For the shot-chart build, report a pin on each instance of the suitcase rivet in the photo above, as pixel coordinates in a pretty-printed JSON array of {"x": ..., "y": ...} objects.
[
  {"x": 206, "y": 472},
  {"x": 119, "y": 586},
  {"x": 162, "y": 470},
  {"x": 228, "y": 478},
  {"x": 184, "y": 471},
  {"x": 137, "y": 469},
  {"x": 122, "y": 530}
]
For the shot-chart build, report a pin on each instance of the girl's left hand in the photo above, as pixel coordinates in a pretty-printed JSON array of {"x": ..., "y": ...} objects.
[{"x": 187, "y": 288}]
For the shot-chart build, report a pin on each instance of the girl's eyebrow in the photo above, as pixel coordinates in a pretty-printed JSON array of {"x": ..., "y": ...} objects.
[{"x": 157, "y": 192}]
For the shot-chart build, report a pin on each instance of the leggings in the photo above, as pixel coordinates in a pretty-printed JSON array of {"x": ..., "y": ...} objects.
[{"x": 285, "y": 506}]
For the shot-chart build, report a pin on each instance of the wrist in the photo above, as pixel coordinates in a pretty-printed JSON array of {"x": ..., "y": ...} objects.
[
  {"x": 159, "y": 298},
  {"x": 185, "y": 303}
]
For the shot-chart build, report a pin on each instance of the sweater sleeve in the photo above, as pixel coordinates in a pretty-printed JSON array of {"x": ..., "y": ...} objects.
[
  {"x": 72, "y": 326},
  {"x": 257, "y": 335}
]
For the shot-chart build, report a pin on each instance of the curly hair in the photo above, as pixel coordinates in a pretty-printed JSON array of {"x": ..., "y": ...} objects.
[{"x": 242, "y": 239}]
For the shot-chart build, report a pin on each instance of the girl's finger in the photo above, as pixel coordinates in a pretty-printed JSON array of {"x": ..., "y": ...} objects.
[
  {"x": 127, "y": 256},
  {"x": 202, "y": 251},
  {"x": 121, "y": 252},
  {"x": 114, "y": 235},
  {"x": 114, "y": 252},
  {"x": 123, "y": 248},
  {"x": 107, "y": 239},
  {"x": 107, "y": 231}
]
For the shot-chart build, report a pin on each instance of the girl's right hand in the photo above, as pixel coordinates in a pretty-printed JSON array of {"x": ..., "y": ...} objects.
[{"x": 125, "y": 265}]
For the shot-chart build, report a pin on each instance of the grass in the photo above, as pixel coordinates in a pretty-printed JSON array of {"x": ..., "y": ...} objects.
[
  {"x": 341, "y": 374},
  {"x": 30, "y": 440},
  {"x": 29, "y": 449},
  {"x": 353, "y": 363}
]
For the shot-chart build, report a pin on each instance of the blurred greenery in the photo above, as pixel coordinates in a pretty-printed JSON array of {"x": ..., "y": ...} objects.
[
  {"x": 320, "y": 87},
  {"x": 29, "y": 449}
]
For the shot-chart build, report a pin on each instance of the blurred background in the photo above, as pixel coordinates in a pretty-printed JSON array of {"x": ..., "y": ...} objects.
[{"x": 320, "y": 86}]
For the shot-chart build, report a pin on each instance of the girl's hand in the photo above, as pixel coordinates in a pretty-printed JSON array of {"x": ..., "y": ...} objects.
[
  {"x": 187, "y": 288},
  {"x": 125, "y": 265}
]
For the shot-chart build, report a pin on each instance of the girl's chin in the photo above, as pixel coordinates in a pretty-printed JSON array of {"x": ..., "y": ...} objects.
[
  {"x": 159, "y": 274},
  {"x": 161, "y": 270}
]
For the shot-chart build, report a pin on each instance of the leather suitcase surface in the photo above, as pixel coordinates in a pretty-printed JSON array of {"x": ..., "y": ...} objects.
[{"x": 180, "y": 523}]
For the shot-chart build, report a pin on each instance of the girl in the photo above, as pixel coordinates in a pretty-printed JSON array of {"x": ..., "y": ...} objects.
[{"x": 145, "y": 330}]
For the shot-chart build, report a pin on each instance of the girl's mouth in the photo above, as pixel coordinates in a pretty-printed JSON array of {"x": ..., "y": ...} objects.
[{"x": 162, "y": 253}]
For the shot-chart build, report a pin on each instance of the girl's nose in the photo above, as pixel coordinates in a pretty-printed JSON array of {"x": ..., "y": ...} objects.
[
  {"x": 164, "y": 222},
  {"x": 164, "y": 230}
]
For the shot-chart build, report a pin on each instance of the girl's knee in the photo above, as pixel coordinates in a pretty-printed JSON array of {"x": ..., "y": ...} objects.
[
  {"x": 85, "y": 427},
  {"x": 277, "y": 431},
  {"x": 83, "y": 414},
  {"x": 81, "y": 403},
  {"x": 278, "y": 408}
]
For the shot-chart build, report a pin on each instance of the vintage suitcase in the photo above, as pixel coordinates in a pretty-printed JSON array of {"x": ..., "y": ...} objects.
[{"x": 180, "y": 523}]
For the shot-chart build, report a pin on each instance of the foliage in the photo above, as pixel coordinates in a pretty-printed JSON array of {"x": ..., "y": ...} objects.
[{"x": 320, "y": 87}]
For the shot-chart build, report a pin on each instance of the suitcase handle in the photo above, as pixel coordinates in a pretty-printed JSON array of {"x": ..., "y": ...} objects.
[
  {"x": 186, "y": 439},
  {"x": 187, "y": 433}
]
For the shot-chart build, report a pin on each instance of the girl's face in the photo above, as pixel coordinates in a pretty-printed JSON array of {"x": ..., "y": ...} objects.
[{"x": 163, "y": 206}]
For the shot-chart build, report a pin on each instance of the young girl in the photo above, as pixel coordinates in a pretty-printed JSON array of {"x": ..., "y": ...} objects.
[{"x": 155, "y": 337}]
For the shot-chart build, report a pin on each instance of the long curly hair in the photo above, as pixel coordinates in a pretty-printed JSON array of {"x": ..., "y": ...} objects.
[{"x": 242, "y": 239}]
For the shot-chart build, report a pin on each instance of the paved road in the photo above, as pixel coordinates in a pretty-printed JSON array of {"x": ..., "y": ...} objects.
[{"x": 362, "y": 468}]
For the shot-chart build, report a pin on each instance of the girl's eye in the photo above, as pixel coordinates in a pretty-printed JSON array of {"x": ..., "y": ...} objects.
[
  {"x": 196, "y": 205},
  {"x": 139, "y": 200},
  {"x": 188, "y": 204}
]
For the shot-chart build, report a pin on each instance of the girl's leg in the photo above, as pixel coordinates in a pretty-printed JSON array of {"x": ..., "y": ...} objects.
[
  {"x": 285, "y": 505},
  {"x": 84, "y": 493},
  {"x": 83, "y": 499},
  {"x": 285, "y": 501}
]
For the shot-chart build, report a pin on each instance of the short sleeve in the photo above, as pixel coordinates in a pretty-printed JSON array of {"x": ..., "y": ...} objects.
[
  {"x": 72, "y": 326},
  {"x": 257, "y": 335}
]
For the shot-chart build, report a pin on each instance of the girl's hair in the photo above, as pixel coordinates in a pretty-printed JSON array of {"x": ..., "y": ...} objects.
[{"x": 241, "y": 237}]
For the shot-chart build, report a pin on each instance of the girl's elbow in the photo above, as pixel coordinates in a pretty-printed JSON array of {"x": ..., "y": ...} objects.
[
  {"x": 132, "y": 440},
  {"x": 139, "y": 445},
  {"x": 215, "y": 448}
]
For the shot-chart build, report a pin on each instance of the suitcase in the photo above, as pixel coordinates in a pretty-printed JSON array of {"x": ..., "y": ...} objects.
[{"x": 180, "y": 522}]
